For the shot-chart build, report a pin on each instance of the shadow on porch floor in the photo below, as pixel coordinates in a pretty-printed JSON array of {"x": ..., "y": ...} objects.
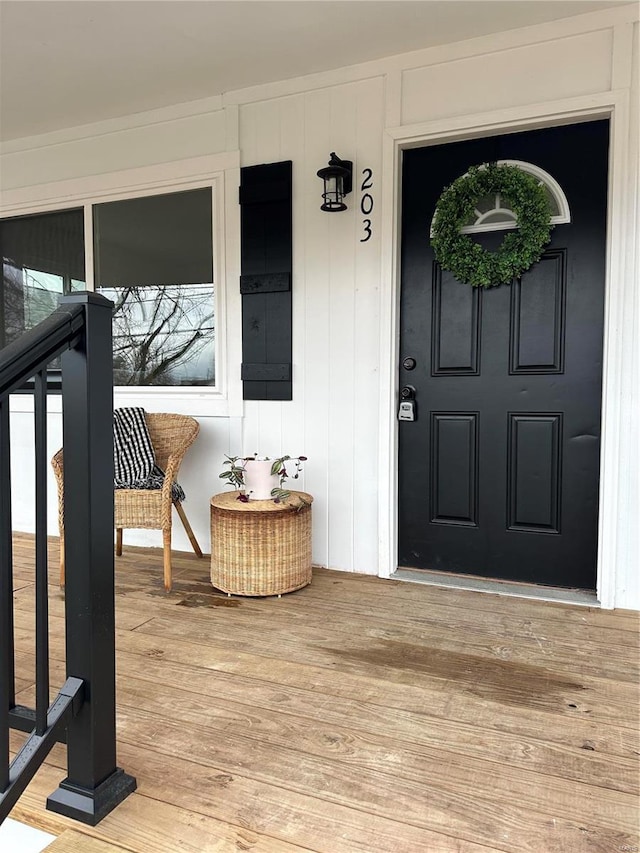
[{"x": 357, "y": 714}]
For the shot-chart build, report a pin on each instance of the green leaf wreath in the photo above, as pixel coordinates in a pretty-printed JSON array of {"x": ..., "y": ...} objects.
[{"x": 520, "y": 249}]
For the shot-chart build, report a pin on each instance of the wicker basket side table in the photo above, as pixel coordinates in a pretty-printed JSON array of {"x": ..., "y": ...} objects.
[{"x": 260, "y": 547}]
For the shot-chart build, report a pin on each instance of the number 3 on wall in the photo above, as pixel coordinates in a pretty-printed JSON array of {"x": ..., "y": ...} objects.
[{"x": 366, "y": 203}]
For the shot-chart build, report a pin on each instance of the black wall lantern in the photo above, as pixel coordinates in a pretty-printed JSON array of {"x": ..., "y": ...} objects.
[{"x": 337, "y": 183}]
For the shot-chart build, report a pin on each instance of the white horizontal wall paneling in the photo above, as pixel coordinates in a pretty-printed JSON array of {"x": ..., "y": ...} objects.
[
  {"x": 482, "y": 45},
  {"x": 563, "y": 68},
  {"x": 164, "y": 142},
  {"x": 55, "y": 195},
  {"x": 114, "y": 125}
]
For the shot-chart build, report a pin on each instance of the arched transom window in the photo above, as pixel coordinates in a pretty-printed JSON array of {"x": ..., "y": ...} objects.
[{"x": 493, "y": 212}]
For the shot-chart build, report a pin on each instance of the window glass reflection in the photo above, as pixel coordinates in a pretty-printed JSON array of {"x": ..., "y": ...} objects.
[{"x": 163, "y": 335}]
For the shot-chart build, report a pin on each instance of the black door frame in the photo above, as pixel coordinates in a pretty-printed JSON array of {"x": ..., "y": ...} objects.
[{"x": 611, "y": 106}]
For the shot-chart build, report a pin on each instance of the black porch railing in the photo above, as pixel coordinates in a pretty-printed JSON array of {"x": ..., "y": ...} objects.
[{"x": 83, "y": 712}]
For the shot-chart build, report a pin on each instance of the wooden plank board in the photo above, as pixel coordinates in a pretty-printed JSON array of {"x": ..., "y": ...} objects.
[
  {"x": 622, "y": 658},
  {"x": 425, "y": 806},
  {"x": 457, "y": 809},
  {"x": 440, "y": 698},
  {"x": 127, "y": 618},
  {"x": 393, "y": 590},
  {"x": 343, "y": 587},
  {"x": 585, "y": 761},
  {"x": 482, "y": 682},
  {"x": 523, "y": 636},
  {"x": 358, "y": 716},
  {"x": 326, "y": 827},
  {"x": 345, "y": 745},
  {"x": 580, "y": 631},
  {"x": 504, "y": 645},
  {"x": 146, "y": 825},
  {"x": 437, "y": 699},
  {"x": 505, "y": 681}
]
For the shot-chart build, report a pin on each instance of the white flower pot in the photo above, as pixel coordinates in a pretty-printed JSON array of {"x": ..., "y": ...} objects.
[{"x": 258, "y": 479}]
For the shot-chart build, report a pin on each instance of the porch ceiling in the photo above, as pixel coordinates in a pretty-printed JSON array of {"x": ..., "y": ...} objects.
[{"x": 66, "y": 63}]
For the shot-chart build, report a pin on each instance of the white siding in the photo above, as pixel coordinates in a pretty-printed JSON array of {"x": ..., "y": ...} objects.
[
  {"x": 332, "y": 418},
  {"x": 339, "y": 316},
  {"x": 525, "y": 75},
  {"x": 112, "y": 151}
]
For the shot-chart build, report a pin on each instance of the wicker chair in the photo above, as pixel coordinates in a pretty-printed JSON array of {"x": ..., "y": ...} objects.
[{"x": 171, "y": 436}]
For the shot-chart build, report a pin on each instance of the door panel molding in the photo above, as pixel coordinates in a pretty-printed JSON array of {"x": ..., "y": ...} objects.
[
  {"x": 454, "y": 437},
  {"x": 529, "y": 313},
  {"x": 463, "y": 303},
  {"x": 534, "y": 501}
]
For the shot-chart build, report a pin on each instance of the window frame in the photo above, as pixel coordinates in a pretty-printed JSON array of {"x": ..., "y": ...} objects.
[
  {"x": 220, "y": 172},
  {"x": 552, "y": 186}
]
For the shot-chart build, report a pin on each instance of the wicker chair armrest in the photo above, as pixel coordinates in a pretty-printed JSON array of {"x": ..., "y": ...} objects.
[{"x": 171, "y": 471}]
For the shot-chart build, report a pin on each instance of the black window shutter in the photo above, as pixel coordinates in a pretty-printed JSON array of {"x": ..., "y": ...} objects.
[{"x": 265, "y": 283}]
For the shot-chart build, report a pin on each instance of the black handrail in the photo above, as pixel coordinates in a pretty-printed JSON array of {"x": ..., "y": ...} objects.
[
  {"x": 37, "y": 347},
  {"x": 83, "y": 712}
]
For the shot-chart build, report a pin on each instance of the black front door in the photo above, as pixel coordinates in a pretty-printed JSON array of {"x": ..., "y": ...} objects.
[{"x": 499, "y": 473}]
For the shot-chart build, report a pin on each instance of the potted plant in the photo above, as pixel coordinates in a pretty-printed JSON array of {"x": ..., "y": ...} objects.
[{"x": 260, "y": 477}]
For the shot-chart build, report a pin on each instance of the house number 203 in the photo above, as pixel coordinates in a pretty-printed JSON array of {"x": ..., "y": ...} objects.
[{"x": 366, "y": 204}]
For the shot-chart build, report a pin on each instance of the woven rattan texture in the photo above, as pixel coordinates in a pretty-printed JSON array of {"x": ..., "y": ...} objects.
[
  {"x": 137, "y": 508},
  {"x": 171, "y": 437},
  {"x": 260, "y": 548}
]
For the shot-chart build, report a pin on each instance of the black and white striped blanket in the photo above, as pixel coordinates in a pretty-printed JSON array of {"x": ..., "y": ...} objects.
[{"x": 133, "y": 456}]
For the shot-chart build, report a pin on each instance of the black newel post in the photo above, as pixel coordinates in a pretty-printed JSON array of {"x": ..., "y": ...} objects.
[{"x": 95, "y": 784}]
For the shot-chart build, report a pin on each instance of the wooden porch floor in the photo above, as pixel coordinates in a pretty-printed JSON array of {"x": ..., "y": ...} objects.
[{"x": 355, "y": 715}]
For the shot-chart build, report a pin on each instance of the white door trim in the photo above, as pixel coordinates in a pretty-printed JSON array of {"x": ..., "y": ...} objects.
[{"x": 618, "y": 320}]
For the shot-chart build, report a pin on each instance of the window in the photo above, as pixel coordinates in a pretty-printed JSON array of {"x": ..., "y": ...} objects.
[
  {"x": 167, "y": 237},
  {"x": 42, "y": 258},
  {"x": 493, "y": 213},
  {"x": 153, "y": 257}
]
